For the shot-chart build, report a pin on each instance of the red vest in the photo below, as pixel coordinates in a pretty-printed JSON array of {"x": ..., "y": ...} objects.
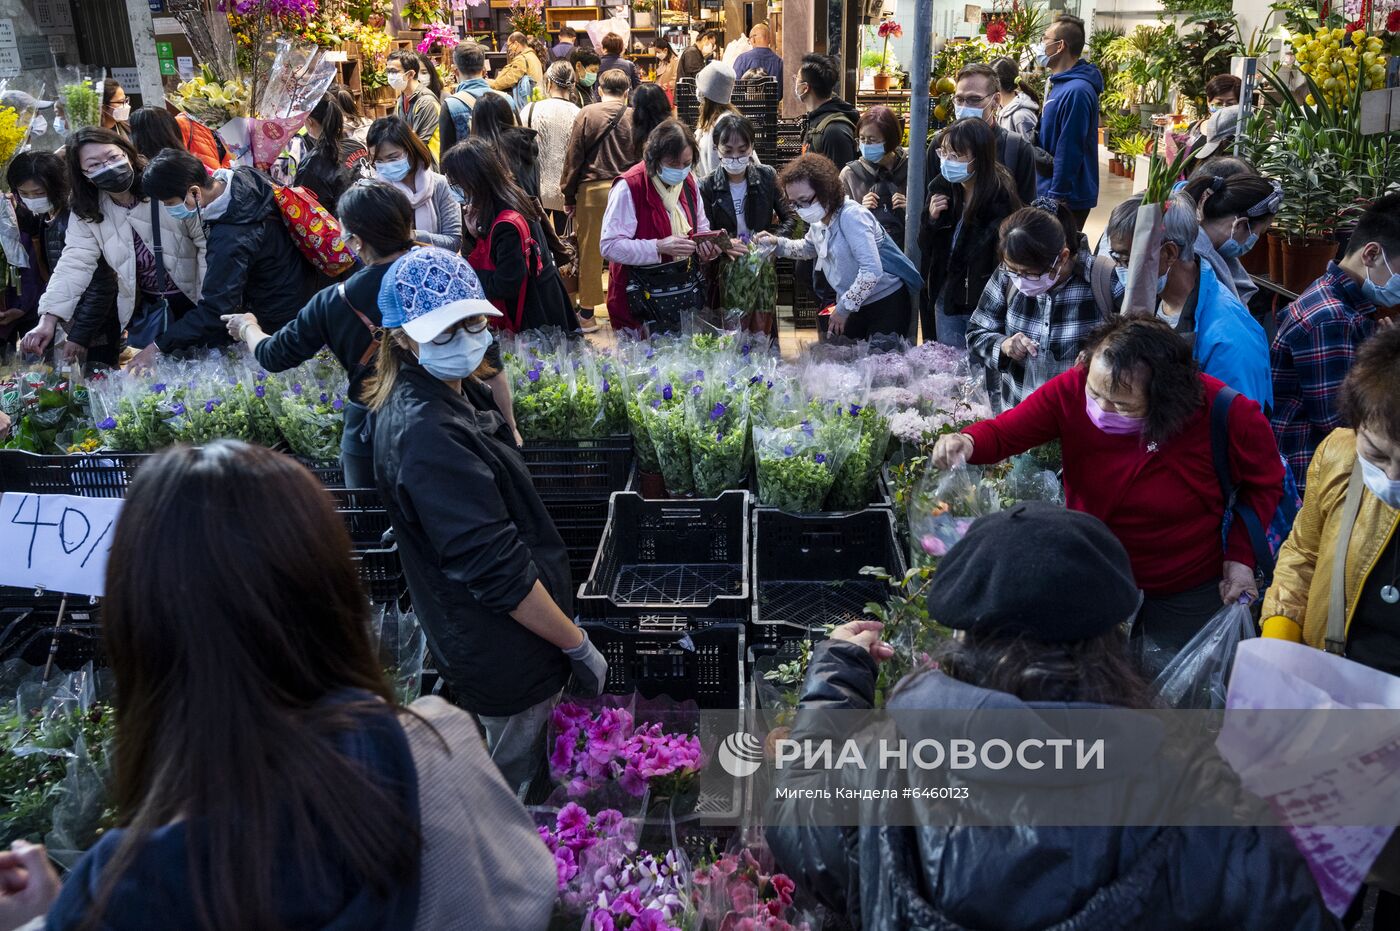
[{"x": 652, "y": 223}]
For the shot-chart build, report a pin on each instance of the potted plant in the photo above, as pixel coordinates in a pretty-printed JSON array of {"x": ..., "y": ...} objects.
[
  {"x": 418, "y": 13},
  {"x": 887, "y": 30}
]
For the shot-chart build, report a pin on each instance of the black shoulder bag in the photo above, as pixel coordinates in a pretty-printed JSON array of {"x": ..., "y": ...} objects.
[{"x": 151, "y": 319}]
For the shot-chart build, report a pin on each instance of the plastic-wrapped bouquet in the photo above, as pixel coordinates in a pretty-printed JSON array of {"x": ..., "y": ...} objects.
[
  {"x": 49, "y": 414},
  {"x": 308, "y": 405},
  {"x": 718, "y": 413},
  {"x": 799, "y": 448},
  {"x": 944, "y": 504},
  {"x": 735, "y": 891},
  {"x": 134, "y": 414},
  {"x": 644, "y": 893},
  {"x": 854, "y": 485},
  {"x": 587, "y": 413},
  {"x": 662, "y": 409},
  {"x": 573, "y": 837},
  {"x": 542, "y": 394},
  {"x": 208, "y": 413}
]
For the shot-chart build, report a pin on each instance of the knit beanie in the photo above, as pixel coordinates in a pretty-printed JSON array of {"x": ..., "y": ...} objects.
[{"x": 715, "y": 82}]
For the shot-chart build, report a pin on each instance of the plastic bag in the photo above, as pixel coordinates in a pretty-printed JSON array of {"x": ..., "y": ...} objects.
[
  {"x": 717, "y": 412},
  {"x": 308, "y": 406},
  {"x": 1198, "y": 678},
  {"x": 742, "y": 888},
  {"x": 403, "y": 649},
  {"x": 662, "y": 410}
]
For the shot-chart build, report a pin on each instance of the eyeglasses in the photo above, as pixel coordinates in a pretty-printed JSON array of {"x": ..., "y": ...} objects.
[
  {"x": 945, "y": 155},
  {"x": 471, "y": 325},
  {"x": 962, "y": 100},
  {"x": 112, "y": 162},
  {"x": 1119, "y": 258}
]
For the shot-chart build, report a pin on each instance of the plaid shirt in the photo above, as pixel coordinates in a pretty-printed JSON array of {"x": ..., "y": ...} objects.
[
  {"x": 1060, "y": 321},
  {"x": 1318, "y": 335}
]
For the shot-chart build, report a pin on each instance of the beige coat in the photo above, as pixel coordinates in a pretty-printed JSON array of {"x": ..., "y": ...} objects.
[
  {"x": 484, "y": 865},
  {"x": 526, "y": 63},
  {"x": 182, "y": 248}
]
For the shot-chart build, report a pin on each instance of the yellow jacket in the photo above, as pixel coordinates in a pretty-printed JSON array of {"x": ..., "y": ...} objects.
[
  {"x": 1296, "y": 605},
  {"x": 526, "y": 63}
]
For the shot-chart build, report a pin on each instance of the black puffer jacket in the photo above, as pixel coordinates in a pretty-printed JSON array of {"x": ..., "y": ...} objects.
[
  {"x": 963, "y": 267},
  {"x": 253, "y": 267},
  {"x": 761, "y": 203},
  {"x": 95, "y": 323},
  {"x": 1023, "y": 878},
  {"x": 474, "y": 538}
]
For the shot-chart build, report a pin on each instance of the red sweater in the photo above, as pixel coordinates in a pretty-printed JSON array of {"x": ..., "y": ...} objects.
[{"x": 1165, "y": 507}]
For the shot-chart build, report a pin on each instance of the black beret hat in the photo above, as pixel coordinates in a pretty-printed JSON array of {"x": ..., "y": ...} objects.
[{"x": 1037, "y": 570}]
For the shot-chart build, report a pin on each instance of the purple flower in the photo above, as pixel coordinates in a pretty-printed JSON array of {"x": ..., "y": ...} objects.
[
  {"x": 788, "y": 450},
  {"x": 807, "y": 428},
  {"x": 717, "y": 412},
  {"x": 109, "y": 424},
  {"x": 296, "y": 388},
  {"x": 819, "y": 458},
  {"x": 695, "y": 392},
  {"x": 653, "y": 371},
  {"x": 756, "y": 379},
  {"x": 211, "y": 404},
  {"x": 260, "y": 390},
  {"x": 533, "y": 374},
  {"x": 158, "y": 388},
  {"x": 699, "y": 374},
  {"x": 339, "y": 404},
  {"x": 656, "y": 404},
  {"x": 666, "y": 393},
  {"x": 606, "y": 386},
  {"x": 324, "y": 397},
  {"x": 261, "y": 376},
  {"x": 177, "y": 409},
  {"x": 855, "y": 410}
]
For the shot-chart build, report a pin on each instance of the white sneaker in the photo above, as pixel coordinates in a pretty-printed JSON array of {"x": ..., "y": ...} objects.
[{"x": 587, "y": 324}]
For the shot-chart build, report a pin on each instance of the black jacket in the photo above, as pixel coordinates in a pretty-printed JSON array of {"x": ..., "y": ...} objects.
[
  {"x": 328, "y": 178},
  {"x": 327, "y": 320},
  {"x": 1014, "y": 152},
  {"x": 608, "y": 63},
  {"x": 963, "y": 267},
  {"x": 887, "y": 878},
  {"x": 474, "y": 538},
  {"x": 252, "y": 266},
  {"x": 761, "y": 203},
  {"x": 95, "y": 322},
  {"x": 547, "y": 302},
  {"x": 692, "y": 62},
  {"x": 830, "y": 130},
  {"x": 861, "y": 177}
]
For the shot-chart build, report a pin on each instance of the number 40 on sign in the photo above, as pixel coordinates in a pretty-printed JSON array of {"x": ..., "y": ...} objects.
[{"x": 56, "y": 542}]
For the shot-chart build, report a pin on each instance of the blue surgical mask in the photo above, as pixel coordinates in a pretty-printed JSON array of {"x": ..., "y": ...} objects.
[
  {"x": 1161, "y": 284},
  {"x": 180, "y": 211},
  {"x": 1042, "y": 60},
  {"x": 1214, "y": 107},
  {"x": 872, "y": 151},
  {"x": 1233, "y": 248},
  {"x": 955, "y": 171},
  {"x": 1387, "y": 295},
  {"x": 1122, "y": 272},
  {"x": 968, "y": 113},
  {"x": 457, "y": 358},
  {"x": 673, "y": 176},
  {"x": 396, "y": 170},
  {"x": 457, "y": 194}
]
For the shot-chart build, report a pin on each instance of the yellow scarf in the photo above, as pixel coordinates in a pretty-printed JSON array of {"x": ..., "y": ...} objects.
[{"x": 671, "y": 199}]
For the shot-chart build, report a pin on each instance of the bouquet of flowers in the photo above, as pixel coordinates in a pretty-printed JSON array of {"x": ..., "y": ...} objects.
[
  {"x": 574, "y": 835},
  {"x": 749, "y": 290},
  {"x": 248, "y": 389},
  {"x": 437, "y": 37},
  {"x": 718, "y": 413},
  {"x": 210, "y": 101},
  {"x": 613, "y": 387},
  {"x": 131, "y": 413},
  {"x": 542, "y": 395},
  {"x": 735, "y": 891},
  {"x": 590, "y": 748},
  {"x": 49, "y": 414},
  {"x": 586, "y": 412},
  {"x": 643, "y": 892},
  {"x": 944, "y": 504},
  {"x": 308, "y": 404},
  {"x": 82, "y": 102},
  {"x": 14, "y": 129},
  {"x": 662, "y": 408},
  {"x": 800, "y": 447}
]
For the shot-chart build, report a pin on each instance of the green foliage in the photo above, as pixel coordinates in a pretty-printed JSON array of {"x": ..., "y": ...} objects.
[
  {"x": 82, "y": 104},
  {"x": 1200, "y": 55},
  {"x": 908, "y": 628},
  {"x": 37, "y": 752}
]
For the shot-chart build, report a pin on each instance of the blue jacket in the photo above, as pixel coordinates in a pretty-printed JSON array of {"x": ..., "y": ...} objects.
[
  {"x": 1230, "y": 344},
  {"x": 1069, "y": 129},
  {"x": 765, "y": 58}
]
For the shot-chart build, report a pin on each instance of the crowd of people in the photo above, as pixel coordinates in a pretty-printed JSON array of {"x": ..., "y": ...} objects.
[{"x": 492, "y": 205}]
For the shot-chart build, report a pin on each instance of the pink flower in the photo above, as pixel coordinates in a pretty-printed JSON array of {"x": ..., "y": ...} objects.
[
  {"x": 932, "y": 545},
  {"x": 783, "y": 887}
]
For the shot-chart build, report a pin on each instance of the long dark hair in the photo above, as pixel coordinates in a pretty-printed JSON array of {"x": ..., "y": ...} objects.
[
  {"x": 1149, "y": 350},
  {"x": 46, "y": 168},
  {"x": 327, "y": 114},
  {"x": 650, "y": 108},
  {"x": 492, "y": 118},
  {"x": 83, "y": 196},
  {"x": 974, "y": 137},
  {"x": 153, "y": 129},
  {"x": 393, "y": 130},
  {"x": 475, "y": 166},
  {"x": 379, "y": 214},
  {"x": 233, "y": 612},
  {"x": 1096, "y": 670},
  {"x": 1033, "y": 236},
  {"x": 173, "y": 172},
  {"x": 432, "y": 79}
]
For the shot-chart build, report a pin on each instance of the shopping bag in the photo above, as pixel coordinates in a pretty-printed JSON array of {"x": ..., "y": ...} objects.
[{"x": 1199, "y": 676}]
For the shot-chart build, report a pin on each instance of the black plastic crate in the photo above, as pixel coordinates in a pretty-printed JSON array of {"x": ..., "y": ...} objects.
[
  {"x": 807, "y": 568},
  {"x": 329, "y": 471},
  {"x": 672, "y": 555},
  {"x": 579, "y": 469},
  {"x": 32, "y": 634},
  {"x": 381, "y": 572},
  {"x": 704, "y": 666},
  {"x": 581, "y": 524},
  {"x": 100, "y": 475},
  {"x": 756, "y": 99}
]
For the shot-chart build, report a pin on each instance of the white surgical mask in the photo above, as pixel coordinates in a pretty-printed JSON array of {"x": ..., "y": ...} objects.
[
  {"x": 812, "y": 213},
  {"x": 457, "y": 358},
  {"x": 121, "y": 114},
  {"x": 1378, "y": 483},
  {"x": 735, "y": 165},
  {"x": 398, "y": 81},
  {"x": 39, "y": 206}
]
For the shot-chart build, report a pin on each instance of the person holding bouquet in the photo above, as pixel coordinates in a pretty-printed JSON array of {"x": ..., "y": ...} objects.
[
  {"x": 1134, "y": 421},
  {"x": 487, "y": 570}
]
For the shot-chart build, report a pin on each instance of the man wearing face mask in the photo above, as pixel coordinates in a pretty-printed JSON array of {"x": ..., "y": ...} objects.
[
  {"x": 1225, "y": 340},
  {"x": 1319, "y": 333},
  {"x": 1069, "y": 125},
  {"x": 415, "y": 101},
  {"x": 487, "y": 569},
  {"x": 829, "y": 128},
  {"x": 1133, "y": 419},
  {"x": 976, "y": 96},
  {"x": 697, "y": 55},
  {"x": 252, "y": 260}
]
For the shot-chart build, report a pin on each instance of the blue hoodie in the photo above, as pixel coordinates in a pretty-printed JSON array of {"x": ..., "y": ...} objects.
[
  {"x": 1230, "y": 344},
  {"x": 1069, "y": 127}
]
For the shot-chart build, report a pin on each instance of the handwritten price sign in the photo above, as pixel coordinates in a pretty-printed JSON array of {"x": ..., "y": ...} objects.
[{"x": 57, "y": 542}]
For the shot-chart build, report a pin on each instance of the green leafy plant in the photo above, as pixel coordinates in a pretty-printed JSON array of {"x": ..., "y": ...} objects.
[
  {"x": 82, "y": 104},
  {"x": 1200, "y": 55},
  {"x": 909, "y": 629}
]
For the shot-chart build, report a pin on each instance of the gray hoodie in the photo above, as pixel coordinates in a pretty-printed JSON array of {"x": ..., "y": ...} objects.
[{"x": 1021, "y": 116}]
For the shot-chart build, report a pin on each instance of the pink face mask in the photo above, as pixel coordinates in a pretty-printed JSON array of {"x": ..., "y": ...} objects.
[{"x": 1111, "y": 422}]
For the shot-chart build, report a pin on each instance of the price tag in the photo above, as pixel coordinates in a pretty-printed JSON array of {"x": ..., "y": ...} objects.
[{"x": 57, "y": 542}]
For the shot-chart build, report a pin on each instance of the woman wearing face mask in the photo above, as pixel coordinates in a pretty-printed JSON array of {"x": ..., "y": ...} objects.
[
  {"x": 501, "y": 219},
  {"x": 1133, "y": 420},
  {"x": 849, "y": 248},
  {"x": 667, "y": 66},
  {"x": 486, "y": 567},
  {"x": 158, "y": 278},
  {"x": 1041, "y": 305},
  {"x": 654, "y": 216},
  {"x": 1345, "y": 544},
  {"x": 39, "y": 181},
  {"x": 741, "y": 197},
  {"x": 116, "y": 107},
  {"x": 879, "y": 178},
  {"x": 331, "y": 160},
  {"x": 401, "y": 159},
  {"x": 970, "y": 198},
  {"x": 1234, "y": 214},
  {"x": 714, "y": 88}
]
